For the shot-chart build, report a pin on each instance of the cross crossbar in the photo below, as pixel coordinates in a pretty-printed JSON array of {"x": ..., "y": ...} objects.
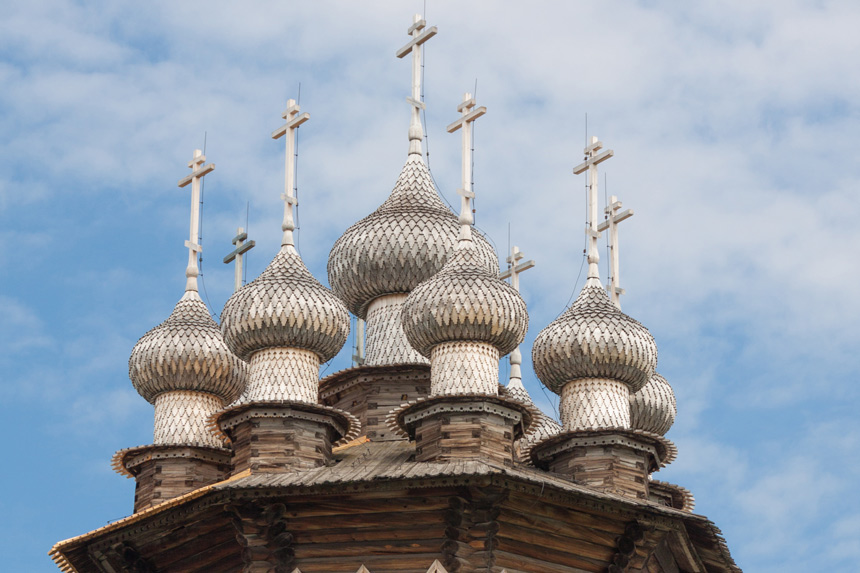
[
  {"x": 240, "y": 250},
  {"x": 196, "y": 173},
  {"x": 617, "y": 218},
  {"x": 418, "y": 40},
  {"x": 468, "y": 118},
  {"x": 597, "y": 159},
  {"x": 295, "y": 122},
  {"x": 517, "y": 269}
]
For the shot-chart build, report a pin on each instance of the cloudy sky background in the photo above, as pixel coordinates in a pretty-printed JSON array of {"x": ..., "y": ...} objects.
[{"x": 735, "y": 128}]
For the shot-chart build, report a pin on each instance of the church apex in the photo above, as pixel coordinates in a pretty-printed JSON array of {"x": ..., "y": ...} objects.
[{"x": 420, "y": 34}]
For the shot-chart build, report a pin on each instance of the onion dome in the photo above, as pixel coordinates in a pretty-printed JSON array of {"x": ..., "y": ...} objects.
[
  {"x": 285, "y": 307},
  {"x": 465, "y": 302},
  {"x": 653, "y": 408},
  {"x": 186, "y": 352},
  {"x": 404, "y": 242},
  {"x": 593, "y": 339}
]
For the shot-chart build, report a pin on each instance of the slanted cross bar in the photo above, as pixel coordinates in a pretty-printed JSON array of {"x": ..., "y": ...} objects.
[
  {"x": 467, "y": 118},
  {"x": 515, "y": 267},
  {"x": 241, "y": 248},
  {"x": 199, "y": 169},
  {"x": 294, "y": 120},
  {"x": 611, "y": 223},
  {"x": 420, "y": 34},
  {"x": 592, "y": 160}
]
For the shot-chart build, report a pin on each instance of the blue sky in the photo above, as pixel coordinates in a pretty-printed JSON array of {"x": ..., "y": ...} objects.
[{"x": 734, "y": 126}]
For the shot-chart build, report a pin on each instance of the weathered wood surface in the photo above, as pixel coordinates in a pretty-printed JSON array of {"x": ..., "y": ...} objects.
[
  {"x": 371, "y": 392},
  {"x": 455, "y": 435},
  {"x": 611, "y": 468},
  {"x": 280, "y": 444},
  {"x": 160, "y": 479}
]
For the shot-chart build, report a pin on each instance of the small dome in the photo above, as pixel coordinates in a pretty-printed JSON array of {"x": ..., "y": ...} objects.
[
  {"x": 653, "y": 408},
  {"x": 593, "y": 339},
  {"x": 404, "y": 242},
  {"x": 465, "y": 302},
  {"x": 285, "y": 307},
  {"x": 186, "y": 352}
]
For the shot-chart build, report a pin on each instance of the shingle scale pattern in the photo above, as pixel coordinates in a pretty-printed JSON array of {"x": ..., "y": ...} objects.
[
  {"x": 592, "y": 404},
  {"x": 653, "y": 407},
  {"x": 593, "y": 339},
  {"x": 465, "y": 302},
  {"x": 285, "y": 307},
  {"x": 404, "y": 242},
  {"x": 186, "y": 352},
  {"x": 464, "y": 368},
  {"x": 181, "y": 418},
  {"x": 386, "y": 342}
]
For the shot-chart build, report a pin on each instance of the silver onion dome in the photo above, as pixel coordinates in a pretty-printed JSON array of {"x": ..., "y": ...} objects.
[
  {"x": 465, "y": 302},
  {"x": 653, "y": 407},
  {"x": 186, "y": 352},
  {"x": 404, "y": 242},
  {"x": 285, "y": 307},
  {"x": 593, "y": 339}
]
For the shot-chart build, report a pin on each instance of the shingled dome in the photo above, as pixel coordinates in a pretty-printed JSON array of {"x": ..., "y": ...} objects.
[
  {"x": 404, "y": 242},
  {"x": 653, "y": 408},
  {"x": 186, "y": 352},
  {"x": 465, "y": 302},
  {"x": 593, "y": 339},
  {"x": 285, "y": 307}
]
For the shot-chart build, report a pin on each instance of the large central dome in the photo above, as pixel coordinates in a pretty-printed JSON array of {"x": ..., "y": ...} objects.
[{"x": 404, "y": 242}]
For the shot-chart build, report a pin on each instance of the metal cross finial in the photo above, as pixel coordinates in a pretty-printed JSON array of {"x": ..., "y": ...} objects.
[
  {"x": 241, "y": 248},
  {"x": 198, "y": 171},
  {"x": 611, "y": 223},
  {"x": 515, "y": 267},
  {"x": 294, "y": 120},
  {"x": 592, "y": 159},
  {"x": 419, "y": 36},
  {"x": 467, "y": 117}
]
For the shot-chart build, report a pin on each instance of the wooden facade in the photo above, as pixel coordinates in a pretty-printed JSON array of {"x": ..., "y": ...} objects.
[{"x": 376, "y": 504}]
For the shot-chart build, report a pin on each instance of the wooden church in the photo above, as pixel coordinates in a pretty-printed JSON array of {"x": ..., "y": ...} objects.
[{"x": 416, "y": 460}]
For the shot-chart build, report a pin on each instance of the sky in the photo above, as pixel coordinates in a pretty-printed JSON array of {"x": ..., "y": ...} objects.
[{"x": 735, "y": 130}]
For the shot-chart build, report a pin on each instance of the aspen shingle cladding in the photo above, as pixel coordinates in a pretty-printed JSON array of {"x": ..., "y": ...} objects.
[
  {"x": 285, "y": 307},
  {"x": 404, "y": 242},
  {"x": 593, "y": 339},
  {"x": 186, "y": 352}
]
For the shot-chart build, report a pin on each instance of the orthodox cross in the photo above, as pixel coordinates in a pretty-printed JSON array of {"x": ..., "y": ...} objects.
[
  {"x": 198, "y": 171},
  {"x": 467, "y": 117},
  {"x": 515, "y": 267},
  {"x": 241, "y": 248},
  {"x": 611, "y": 223},
  {"x": 419, "y": 36},
  {"x": 592, "y": 159},
  {"x": 294, "y": 120}
]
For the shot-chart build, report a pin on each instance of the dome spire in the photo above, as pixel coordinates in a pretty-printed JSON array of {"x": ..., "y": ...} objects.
[
  {"x": 592, "y": 159},
  {"x": 294, "y": 120},
  {"x": 515, "y": 267},
  {"x": 613, "y": 217},
  {"x": 467, "y": 118},
  {"x": 419, "y": 36},
  {"x": 198, "y": 171}
]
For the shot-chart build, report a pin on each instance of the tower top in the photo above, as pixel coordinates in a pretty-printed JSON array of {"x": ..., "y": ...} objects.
[
  {"x": 592, "y": 159},
  {"x": 294, "y": 120},
  {"x": 198, "y": 170},
  {"x": 468, "y": 115},
  {"x": 420, "y": 34}
]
